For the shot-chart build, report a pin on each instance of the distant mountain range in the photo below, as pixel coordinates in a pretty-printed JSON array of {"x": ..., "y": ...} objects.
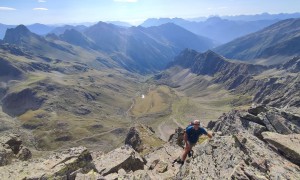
[
  {"x": 254, "y": 17},
  {"x": 216, "y": 28},
  {"x": 135, "y": 49},
  {"x": 42, "y": 29},
  {"x": 268, "y": 46}
]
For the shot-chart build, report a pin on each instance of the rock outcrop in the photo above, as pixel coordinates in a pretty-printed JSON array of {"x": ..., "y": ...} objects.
[
  {"x": 124, "y": 158},
  {"x": 143, "y": 139},
  {"x": 63, "y": 165},
  {"x": 11, "y": 149},
  {"x": 246, "y": 145},
  {"x": 288, "y": 145},
  {"x": 257, "y": 120},
  {"x": 241, "y": 151},
  {"x": 241, "y": 156}
]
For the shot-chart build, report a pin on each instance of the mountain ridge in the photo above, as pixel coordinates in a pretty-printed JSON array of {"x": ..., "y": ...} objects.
[{"x": 279, "y": 39}]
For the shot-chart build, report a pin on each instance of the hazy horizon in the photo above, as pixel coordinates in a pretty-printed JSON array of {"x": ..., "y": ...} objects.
[{"x": 132, "y": 11}]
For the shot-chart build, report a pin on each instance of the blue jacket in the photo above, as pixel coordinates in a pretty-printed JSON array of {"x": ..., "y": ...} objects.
[{"x": 193, "y": 135}]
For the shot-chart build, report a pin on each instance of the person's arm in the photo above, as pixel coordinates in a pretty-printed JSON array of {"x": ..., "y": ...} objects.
[{"x": 209, "y": 134}]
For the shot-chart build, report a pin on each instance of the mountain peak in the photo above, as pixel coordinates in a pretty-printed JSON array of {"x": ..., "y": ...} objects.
[
  {"x": 22, "y": 29},
  {"x": 14, "y": 35}
]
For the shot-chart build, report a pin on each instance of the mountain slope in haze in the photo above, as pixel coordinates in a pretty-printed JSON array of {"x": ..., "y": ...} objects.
[
  {"x": 74, "y": 37},
  {"x": 270, "y": 45},
  {"x": 40, "y": 29},
  {"x": 62, "y": 29},
  {"x": 263, "y": 16},
  {"x": 216, "y": 28},
  {"x": 3, "y": 28},
  {"x": 144, "y": 47},
  {"x": 274, "y": 85},
  {"x": 51, "y": 49},
  {"x": 254, "y": 17}
]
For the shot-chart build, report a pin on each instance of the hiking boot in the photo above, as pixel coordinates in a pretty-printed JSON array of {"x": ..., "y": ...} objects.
[
  {"x": 189, "y": 153},
  {"x": 180, "y": 162}
]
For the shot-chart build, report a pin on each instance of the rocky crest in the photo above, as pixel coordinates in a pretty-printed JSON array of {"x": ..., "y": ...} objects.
[{"x": 261, "y": 143}]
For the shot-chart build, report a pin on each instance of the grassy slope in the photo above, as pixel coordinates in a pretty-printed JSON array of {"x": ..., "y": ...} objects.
[
  {"x": 206, "y": 105},
  {"x": 105, "y": 94}
]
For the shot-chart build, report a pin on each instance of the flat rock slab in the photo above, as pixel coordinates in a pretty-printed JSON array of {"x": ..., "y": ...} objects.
[
  {"x": 122, "y": 158},
  {"x": 289, "y": 145}
]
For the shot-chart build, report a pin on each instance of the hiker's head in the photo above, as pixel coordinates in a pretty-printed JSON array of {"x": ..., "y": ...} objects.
[{"x": 196, "y": 124}]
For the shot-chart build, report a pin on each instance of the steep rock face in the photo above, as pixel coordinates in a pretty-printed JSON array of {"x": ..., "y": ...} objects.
[
  {"x": 133, "y": 139},
  {"x": 241, "y": 156},
  {"x": 241, "y": 152},
  {"x": 15, "y": 104},
  {"x": 16, "y": 35},
  {"x": 177, "y": 137}
]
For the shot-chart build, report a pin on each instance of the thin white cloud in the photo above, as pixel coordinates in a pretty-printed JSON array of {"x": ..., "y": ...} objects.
[
  {"x": 40, "y": 9},
  {"x": 217, "y": 8},
  {"x": 42, "y": 1},
  {"x": 126, "y": 1},
  {"x": 223, "y": 7},
  {"x": 7, "y": 9}
]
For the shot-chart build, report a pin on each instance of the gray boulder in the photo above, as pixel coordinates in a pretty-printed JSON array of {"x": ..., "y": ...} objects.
[
  {"x": 177, "y": 137},
  {"x": 122, "y": 158},
  {"x": 11, "y": 148},
  {"x": 60, "y": 165},
  {"x": 134, "y": 140},
  {"x": 288, "y": 145}
]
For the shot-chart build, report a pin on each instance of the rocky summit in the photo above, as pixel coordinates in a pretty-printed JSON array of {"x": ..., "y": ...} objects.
[{"x": 260, "y": 143}]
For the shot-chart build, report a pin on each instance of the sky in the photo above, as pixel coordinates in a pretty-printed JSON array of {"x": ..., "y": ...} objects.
[{"x": 132, "y": 11}]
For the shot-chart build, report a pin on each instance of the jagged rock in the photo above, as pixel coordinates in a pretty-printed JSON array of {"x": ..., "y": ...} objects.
[
  {"x": 11, "y": 141},
  {"x": 61, "y": 165},
  {"x": 234, "y": 122},
  {"x": 257, "y": 110},
  {"x": 272, "y": 120},
  {"x": 6, "y": 156},
  {"x": 11, "y": 148},
  {"x": 122, "y": 158},
  {"x": 278, "y": 123},
  {"x": 133, "y": 139},
  {"x": 70, "y": 162},
  {"x": 177, "y": 137},
  {"x": 164, "y": 156},
  {"x": 24, "y": 154},
  {"x": 162, "y": 167},
  {"x": 241, "y": 156},
  {"x": 143, "y": 139},
  {"x": 253, "y": 118},
  {"x": 288, "y": 145}
]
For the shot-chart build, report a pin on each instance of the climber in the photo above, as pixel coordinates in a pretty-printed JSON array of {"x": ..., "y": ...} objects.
[{"x": 191, "y": 137}]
